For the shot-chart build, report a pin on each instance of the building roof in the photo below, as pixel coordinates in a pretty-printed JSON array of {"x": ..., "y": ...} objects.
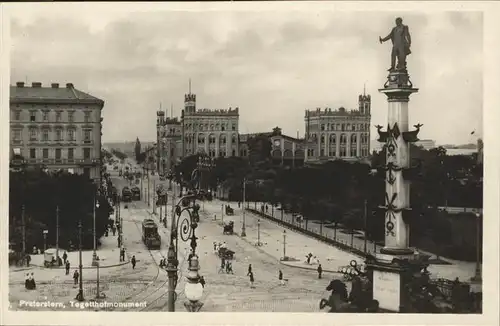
[{"x": 53, "y": 94}]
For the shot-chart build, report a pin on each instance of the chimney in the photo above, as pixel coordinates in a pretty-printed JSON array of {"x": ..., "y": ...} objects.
[
  {"x": 36, "y": 84},
  {"x": 55, "y": 85},
  {"x": 69, "y": 85},
  {"x": 20, "y": 84}
]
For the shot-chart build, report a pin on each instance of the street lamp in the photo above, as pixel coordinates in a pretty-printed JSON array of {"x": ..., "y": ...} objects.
[
  {"x": 94, "y": 254},
  {"x": 243, "y": 228},
  {"x": 186, "y": 228},
  {"x": 258, "y": 233},
  {"x": 79, "y": 296},
  {"x": 477, "y": 278},
  {"x": 45, "y": 232},
  {"x": 222, "y": 212},
  {"x": 284, "y": 244}
]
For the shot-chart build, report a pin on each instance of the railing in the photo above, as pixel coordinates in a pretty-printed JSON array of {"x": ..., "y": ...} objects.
[{"x": 339, "y": 244}]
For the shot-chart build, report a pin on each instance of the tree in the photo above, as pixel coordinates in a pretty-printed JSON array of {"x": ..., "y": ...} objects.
[
  {"x": 259, "y": 149},
  {"x": 119, "y": 154},
  {"x": 137, "y": 149},
  {"x": 41, "y": 194}
]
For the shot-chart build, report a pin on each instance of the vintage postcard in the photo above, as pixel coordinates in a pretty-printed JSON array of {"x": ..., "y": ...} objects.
[{"x": 289, "y": 160}]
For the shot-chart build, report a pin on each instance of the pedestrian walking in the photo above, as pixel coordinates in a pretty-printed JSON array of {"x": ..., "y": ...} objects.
[
  {"x": 320, "y": 271},
  {"x": 67, "y": 267},
  {"x": 267, "y": 207},
  {"x": 133, "y": 261},
  {"x": 32, "y": 282},
  {"x": 27, "y": 281},
  {"x": 249, "y": 269},
  {"x": 280, "y": 277},
  {"x": 251, "y": 280},
  {"x": 28, "y": 260},
  {"x": 202, "y": 281},
  {"x": 76, "y": 276},
  {"x": 239, "y": 205},
  {"x": 65, "y": 257},
  {"x": 113, "y": 229}
]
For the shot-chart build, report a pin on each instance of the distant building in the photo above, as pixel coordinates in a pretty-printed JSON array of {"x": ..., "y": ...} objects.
[
  {"x": 56, "y": 128},
  {"x": 151, "y": 158},
  {"x": 338, "y": 134},
  {"x": 285, "y": 150},
  {"x": 213, "y": 132}
]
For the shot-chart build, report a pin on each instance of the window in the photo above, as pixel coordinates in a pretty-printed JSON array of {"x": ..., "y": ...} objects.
[
  {"x": 354, "y": 151},
  {"x": 58, "y": 153},
  {"x": 342, "y": 152},
  {"x": 322, "y": 152},
  {"x": 322, "y": 127},
  {"x": 353, "y": 128},
  {"x": 223, "y": 127},
  {"x": 45, "y": 116},
  {"x": 333, "y": 139},
  {"x": 343, "y": 139},
  {"x": 45, "y": 153},
  {"x": 234, "y": 152},
  {"x": 71, "y": 153},
  {"x": 233, "y": 127},
  {"x": 71, "y": 134},
  {"x": 71, "y": 117},
  {"x": 33, "y": 134},
  {"x": 58, "y": 134},
  {"x": 17, "y": 115},
  {"x": 86, "y": 117},
  {"x": 86, "y": 153},
  {"x": 32, "y": 116},
  {"x": 86, "y": 135},
  {"x": 353, "y": 138},
  {"x": 322, "y": 139},
  {"x": 16, "y": 135},
  {"x": 32, "y": 153},
  {"x": 58, "y": 116},
  {"x": 45, "y": 135}
]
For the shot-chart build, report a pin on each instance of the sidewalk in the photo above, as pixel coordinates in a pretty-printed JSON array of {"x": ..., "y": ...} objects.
[
  {"x": 296, "y": 247},
  {"x": 108, "y": 252},
  {"x": 463, "y": 270}
]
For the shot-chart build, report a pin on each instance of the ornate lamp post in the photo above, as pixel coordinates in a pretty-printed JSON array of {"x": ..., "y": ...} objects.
[
  {"x": 94, "y": 254},
  {"x": 284, "y": 244},
  {"x": 186, "y": 228}
]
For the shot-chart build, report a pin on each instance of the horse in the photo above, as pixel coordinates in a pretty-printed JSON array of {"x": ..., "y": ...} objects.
[{"x": 338, "y": 298}]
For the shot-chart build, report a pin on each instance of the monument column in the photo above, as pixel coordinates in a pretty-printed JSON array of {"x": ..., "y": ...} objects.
[
  {"x": 398, "y": 89},
  {"x": 396, "y": 265}
]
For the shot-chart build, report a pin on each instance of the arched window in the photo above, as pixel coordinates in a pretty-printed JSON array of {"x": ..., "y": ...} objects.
[
  {"x": 211, "y": 139},
  {"x": 322, "y": 139},
  {"x": 201, "y": 139},
  {"x": 343, "y": 127},
  {"x": 222, "y": 140},
  {"x": 348, "y": 127},
  {"x": 353, "y": 139},
  {"x": 233, "y": 139},
  {"x": 333, "y": 139},
  {"x": 343, "y": 139},
  {"x": 353, "y": 127}
]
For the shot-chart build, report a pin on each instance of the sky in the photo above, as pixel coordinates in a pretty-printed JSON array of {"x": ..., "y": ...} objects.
[{"x": 271, "y": 64}]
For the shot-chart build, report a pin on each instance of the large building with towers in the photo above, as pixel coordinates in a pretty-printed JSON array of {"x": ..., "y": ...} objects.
[
  {"x": 57, "y": 128},
  {"x": 210, "y": 131},
  {"x": 338, "y": 134}
]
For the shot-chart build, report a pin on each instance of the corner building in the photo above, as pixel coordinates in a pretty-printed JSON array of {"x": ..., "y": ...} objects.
[
  {"x": 338, "y": 134},
  {"x": 58, "y": 128}
]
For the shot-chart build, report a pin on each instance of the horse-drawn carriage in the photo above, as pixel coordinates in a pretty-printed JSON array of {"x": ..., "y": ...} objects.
[
  {"x": 229, "y": 210},
  {"x": 226, "y": 254},
  {"x": 228, "y": 228}
]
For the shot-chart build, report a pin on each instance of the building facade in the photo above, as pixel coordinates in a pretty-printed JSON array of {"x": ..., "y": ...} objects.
[
  {"x": 338, "y": 134},
  {"x": 213, "y": 132},
  {"x": 285, "y": 150},
  {"x": 56, "y": 128},
  {"x": 150, "y": 158}
]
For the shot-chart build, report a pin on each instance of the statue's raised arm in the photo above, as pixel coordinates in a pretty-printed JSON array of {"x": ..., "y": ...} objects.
[{"x": 401, "y": 42}]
